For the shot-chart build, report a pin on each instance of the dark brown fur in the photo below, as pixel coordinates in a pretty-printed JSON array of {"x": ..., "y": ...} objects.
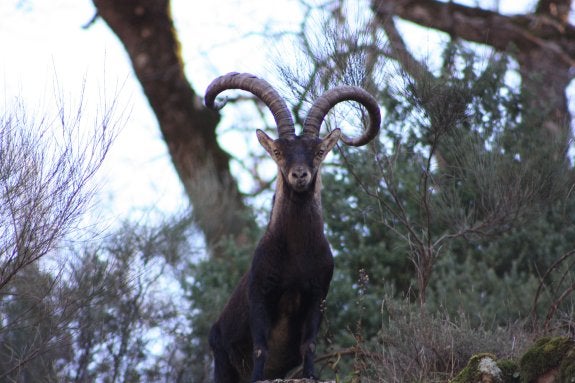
[{"x": 274, "y": 314}]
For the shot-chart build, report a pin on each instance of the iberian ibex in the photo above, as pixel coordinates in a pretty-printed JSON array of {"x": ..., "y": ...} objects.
[{"x": 270, "y": 323}]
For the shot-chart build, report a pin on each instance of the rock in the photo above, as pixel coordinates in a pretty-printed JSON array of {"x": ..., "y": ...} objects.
[
  {"x": 481, "y": 368},
  {"x": 549, "y": 360}
]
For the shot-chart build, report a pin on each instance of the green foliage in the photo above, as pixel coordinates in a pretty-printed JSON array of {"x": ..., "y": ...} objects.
[
  {"x": 101, "y": 314},
  {"x": 30, "y": 329},
  {"x": 464, "y": 205},
  {"x": 207, "y": 285},
  {"x": 465, "y": 201},
  {"x": 117, "y": 302}
]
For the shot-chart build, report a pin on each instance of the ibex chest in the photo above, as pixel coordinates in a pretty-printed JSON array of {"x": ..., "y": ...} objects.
[
  {"x": 281, "y": 270},
  {"x": 305, "y": 270}
]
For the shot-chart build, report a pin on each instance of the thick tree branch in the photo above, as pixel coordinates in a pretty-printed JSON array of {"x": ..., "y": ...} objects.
[
  {"x": 399, "y": 50},
  {"x": 146, "y": 30},
  {"x": 523, "y": 32},
  {"x": 542, "y": 42}
]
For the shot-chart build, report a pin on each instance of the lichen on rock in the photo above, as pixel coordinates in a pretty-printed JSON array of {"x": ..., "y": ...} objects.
[{"x": 481, "y": 368}]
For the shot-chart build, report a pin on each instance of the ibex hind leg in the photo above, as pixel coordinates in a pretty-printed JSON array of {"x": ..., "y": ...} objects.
[{"x": 224, "y": 372}]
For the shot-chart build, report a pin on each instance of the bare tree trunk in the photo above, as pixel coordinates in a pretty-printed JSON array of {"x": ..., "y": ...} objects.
[
  {"x": 146, "y": 30},
  {"x": 542, "y": 42}
]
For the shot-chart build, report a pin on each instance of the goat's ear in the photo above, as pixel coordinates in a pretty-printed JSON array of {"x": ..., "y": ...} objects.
[
  {"x": 266, "y": 141},
  {"x": 326, "y": 145},
  {"x": 331, "y": 139}
]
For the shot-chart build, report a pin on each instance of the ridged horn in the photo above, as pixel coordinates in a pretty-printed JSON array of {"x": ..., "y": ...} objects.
[
  {"x": 259, "y": 88},
  {"x": 329, "y": 99}
]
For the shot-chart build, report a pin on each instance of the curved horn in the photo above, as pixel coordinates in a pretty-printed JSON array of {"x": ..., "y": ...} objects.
[
  {"x": 329, "y": 99},
  {"x": 259, "y": 88}
]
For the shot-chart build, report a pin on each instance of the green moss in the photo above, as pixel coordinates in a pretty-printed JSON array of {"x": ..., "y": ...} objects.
[
  {"x": 509, "y": 370},
  {"x": 471, "y": 373},
  {"x": 546, "y": 354},
  {"x": 567, "y": 368}
]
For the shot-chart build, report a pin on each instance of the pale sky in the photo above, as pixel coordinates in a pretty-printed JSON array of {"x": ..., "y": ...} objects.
[{"x": 46, "y": 53}]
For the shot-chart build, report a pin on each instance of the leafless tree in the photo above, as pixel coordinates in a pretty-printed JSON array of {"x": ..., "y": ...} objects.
[{"x": 47, "y": 181}]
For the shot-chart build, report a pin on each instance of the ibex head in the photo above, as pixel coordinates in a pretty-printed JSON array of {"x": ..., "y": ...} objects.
[{"x": 299, "y": 157}]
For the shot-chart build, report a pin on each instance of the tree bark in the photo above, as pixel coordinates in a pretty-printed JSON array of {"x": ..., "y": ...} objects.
[
  {"x": 542, "y": 42},
  {"x": 146, "y": 30}
]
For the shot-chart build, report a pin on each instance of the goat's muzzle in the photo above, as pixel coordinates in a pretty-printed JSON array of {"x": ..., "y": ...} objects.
[{"x": 299, "y": 178}]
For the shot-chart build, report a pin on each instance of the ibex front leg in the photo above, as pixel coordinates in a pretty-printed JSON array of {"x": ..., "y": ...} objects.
[
  {"x": 310, "y": 331},
  {"x": 260, "y": 324}
]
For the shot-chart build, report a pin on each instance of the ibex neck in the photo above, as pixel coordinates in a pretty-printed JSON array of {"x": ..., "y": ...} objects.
[{"x": 297, "y": 210}]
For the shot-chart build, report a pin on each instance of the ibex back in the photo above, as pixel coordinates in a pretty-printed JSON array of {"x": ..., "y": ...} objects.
[{"x": 270, "y": 324}]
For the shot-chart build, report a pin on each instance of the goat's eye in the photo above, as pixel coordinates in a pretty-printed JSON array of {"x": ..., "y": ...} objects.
[
  {"x": 320, "y": 153},
  {"x": 277, "y": 153}
]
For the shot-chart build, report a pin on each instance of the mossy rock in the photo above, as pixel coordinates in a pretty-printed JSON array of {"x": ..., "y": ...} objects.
[
  {"x": 475, "y": 371},
  {"x": 548, "y": 354},
  {"x": 481, "y": 368},
  {"x": 509, "y": 370},
  {"x": 567, "y": 367}
]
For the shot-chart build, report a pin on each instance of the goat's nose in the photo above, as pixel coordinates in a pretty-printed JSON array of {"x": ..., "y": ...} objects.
[{"x": 299, "y": 173}]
